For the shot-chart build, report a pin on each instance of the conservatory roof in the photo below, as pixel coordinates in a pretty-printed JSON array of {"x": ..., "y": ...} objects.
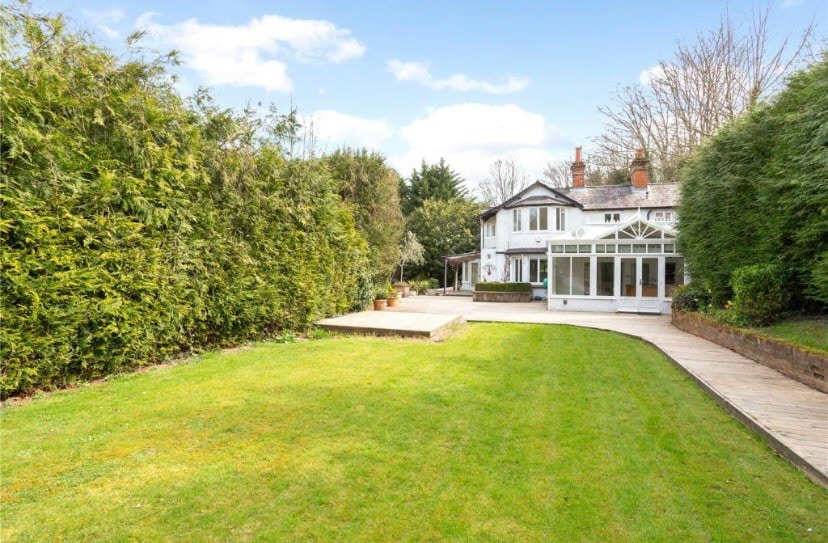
[{"x": 636, "y": 228}]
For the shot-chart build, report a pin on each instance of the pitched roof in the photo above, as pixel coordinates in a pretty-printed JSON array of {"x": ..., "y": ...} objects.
[
  {"x": 625, "y": 196},
  {"x": 595, "y": 198}
]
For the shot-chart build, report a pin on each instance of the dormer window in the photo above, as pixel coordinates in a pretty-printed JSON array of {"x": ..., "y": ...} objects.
[
  {"x": 538, "y": 218},
  {"x": 612, "y": 217}
]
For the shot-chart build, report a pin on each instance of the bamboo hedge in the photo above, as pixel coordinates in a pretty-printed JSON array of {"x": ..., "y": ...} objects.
[{"x": 137, "y": 225}]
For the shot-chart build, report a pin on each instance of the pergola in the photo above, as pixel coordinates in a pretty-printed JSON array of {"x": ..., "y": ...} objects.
[{"x": 454, "y": 261}]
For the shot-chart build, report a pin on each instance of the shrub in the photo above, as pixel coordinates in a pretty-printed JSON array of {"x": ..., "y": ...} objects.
[
  {"x": 691, "y": 298},
  {"x": 503, "y": 287},
  {"x": 760, "y": 294}
]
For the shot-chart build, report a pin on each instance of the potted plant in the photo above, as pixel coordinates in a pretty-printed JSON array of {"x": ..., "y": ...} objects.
[
  {"x": 393, "y": 298},
  {"x": 403, "y": 288},
  {"x": 381, "y": 299}
]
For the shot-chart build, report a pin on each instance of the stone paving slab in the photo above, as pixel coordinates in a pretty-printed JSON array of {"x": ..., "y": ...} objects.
[
  {"x": 387, "y": 323},
  {"x": 791, "y": 417}
]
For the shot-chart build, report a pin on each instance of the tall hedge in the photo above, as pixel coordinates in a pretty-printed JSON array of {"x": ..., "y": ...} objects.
[
  {"x": 757, "y": 193},
  {"x": 136, "y": 225}
]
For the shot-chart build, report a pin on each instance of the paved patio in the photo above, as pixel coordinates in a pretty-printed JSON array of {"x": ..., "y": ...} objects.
[
  {"x": 791, "y": 417},
  {"x": 386, "y": 323}
]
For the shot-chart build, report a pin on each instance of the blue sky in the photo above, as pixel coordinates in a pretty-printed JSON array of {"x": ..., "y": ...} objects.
[{"x": 471, "y": 81}]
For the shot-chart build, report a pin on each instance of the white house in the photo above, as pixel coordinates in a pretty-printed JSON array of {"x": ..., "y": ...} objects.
[{"x": 602, "y": 248}]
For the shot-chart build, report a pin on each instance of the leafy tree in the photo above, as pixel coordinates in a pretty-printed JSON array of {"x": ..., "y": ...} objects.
[
  {"x": 372, "y": 188},
  {"x": 411, "y": 251},
  {"x": 757, "y": 192},
  {"x": 444, "y": 227},
  {"x": 432, "y": 182}
]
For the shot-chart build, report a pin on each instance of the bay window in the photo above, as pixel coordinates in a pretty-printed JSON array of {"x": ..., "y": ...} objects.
[
  {"x": 516, "y": 226},
  {"x": 537, "y": 270},
  {"x": 538, "y": 218},
  {"x": 517, "y": 267}
]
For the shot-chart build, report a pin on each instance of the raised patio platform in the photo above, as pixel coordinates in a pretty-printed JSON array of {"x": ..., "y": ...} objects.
[{"x": 387, "y": 323}]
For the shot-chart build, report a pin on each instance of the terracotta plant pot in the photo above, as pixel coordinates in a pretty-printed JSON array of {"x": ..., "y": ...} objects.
[
  {"x": 393, "y": 300},
  {"x": 402, "y": 289},
  {"x": 380, "y": 305}
]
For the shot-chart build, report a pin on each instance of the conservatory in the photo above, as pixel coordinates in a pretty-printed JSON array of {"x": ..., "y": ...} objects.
[{"x": 630, "y": 267}]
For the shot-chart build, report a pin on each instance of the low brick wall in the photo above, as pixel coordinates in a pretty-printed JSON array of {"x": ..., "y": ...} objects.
[
  {"x": 502, "y": 296},
  {"x": 806, "y": 367}
]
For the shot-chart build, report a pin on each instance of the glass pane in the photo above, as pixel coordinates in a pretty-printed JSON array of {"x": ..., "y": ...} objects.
[
  {"x": 580, "y": 275},
  {"x": 543, "y": 269},
  {"x": 639, "y": 248},
  {"x": 543, "y": 221},
  {"x": 673, "y": 274},
  {"x": 599, "y": 248},
  {"x": 571, "y": 249},
  {"x": 606, "y": 276},
  {"x": 649, "y": 277},
  {"x": 533, "y": 270},
  {"x": 669, "y": 248},
  {"x": 561, "y": 214},
  {"x": 584, "y": 248},
  {"x": 625, "y": 248},
  {"x": 560, "y": 275},
  {"x": 533, "y": 218},
  {"x": 557, "y": 248},
  {"x": 628, "y": 266},
  {"x": 654, "y": 248}
]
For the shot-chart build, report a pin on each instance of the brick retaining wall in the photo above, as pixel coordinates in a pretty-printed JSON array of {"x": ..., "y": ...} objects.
[
  {"x": 485, "y": 296},
  {"x": 807, "y": 367}
]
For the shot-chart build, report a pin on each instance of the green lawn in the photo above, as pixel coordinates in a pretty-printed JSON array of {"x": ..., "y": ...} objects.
[
  {"x": 811, "y": 333},
  {"x": 502, "y": 433}
]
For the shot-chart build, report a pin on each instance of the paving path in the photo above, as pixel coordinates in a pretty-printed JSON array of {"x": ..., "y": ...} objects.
[{"x": 791, "y": 417}]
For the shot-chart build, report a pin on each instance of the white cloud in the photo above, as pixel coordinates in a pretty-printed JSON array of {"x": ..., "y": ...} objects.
[
  {"x": 105, "y": 19},
  {"x": 334, "y": 129},
  {"x": 472, "y": 136},
  {"x": 650, "y": 74},
  {"x": 419, "y": 72},
  {"x": 254, "y": 54}
]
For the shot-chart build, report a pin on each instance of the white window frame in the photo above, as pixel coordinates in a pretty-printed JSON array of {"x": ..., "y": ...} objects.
[
  {"x": 538, "y": 275},
  {"x": 541, "y": 215},
  {"x": 612, "y": 217},
  {"x": 516, "y": 220},
  {"x": 518, "y": 270},
  {"x": 491, "y": 230},
  {"x": 560, "y": 219},
  {"x": 664, "y": 216}
]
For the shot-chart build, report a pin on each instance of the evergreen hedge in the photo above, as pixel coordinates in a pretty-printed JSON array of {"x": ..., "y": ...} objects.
[
  {"x": 757, "y": 194},
  {"x": 503, "y": 287},
  {"x": 136, "y": 225}
]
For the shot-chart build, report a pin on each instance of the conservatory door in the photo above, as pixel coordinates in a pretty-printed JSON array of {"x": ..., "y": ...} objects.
[{"x": 639, "y": 285}]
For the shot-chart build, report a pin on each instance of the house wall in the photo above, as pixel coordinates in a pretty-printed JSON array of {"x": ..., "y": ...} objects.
[{"x": 495, "y": 265}]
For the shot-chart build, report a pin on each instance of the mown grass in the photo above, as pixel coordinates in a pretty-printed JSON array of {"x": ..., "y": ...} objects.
[
  {"x": 504, "y": 432},
  {"x": 811, "y": 333}
]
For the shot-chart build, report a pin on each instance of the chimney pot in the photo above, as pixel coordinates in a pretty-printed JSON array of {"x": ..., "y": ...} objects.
[{"x": 577, "y": 154}]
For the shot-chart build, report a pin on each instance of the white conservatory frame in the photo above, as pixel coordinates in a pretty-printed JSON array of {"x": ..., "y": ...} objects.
[{"x": 640, "y": 253}]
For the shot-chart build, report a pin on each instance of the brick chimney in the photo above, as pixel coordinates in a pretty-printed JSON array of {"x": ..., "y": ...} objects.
[
  {"x": 640, "y": 173},
  {"x": 578, "y": 168}
]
